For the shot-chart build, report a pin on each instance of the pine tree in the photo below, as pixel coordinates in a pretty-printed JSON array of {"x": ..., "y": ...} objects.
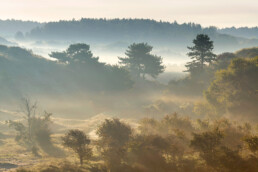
[
  {"x": 201, "y": 53},
  {"x": 140, "y": 61}
]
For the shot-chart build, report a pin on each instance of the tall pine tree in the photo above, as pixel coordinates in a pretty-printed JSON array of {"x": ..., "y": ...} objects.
[{"x": 201, "y": 53}]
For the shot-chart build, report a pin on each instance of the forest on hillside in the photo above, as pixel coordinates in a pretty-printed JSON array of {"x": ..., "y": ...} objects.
[
  {"x": 126, "y": 31},
  {"x": 135, "y": 30}
]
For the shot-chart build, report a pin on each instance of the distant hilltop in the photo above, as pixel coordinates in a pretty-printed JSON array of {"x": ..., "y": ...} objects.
[{"x": 107, "y": 31}]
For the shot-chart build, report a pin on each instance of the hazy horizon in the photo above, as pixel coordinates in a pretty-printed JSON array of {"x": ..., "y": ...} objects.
[
  {"x": 131, "y": 86},
  {"x": 217, "y": 13}
]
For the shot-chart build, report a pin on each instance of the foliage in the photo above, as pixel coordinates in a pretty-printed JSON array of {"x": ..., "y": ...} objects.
[
  {"x": 188, "y": 145},
  {"x": 172, "y": 124},
  {"x": 218, "y": 143},
  {"x": 148, "y": 151},
  {"x": 235, "y": 89},
  {"x": 252, "y": 143},
  {"x": 140, "y": 62},
  {"x": 201, "y": 52},
  {"x": 218, "y": 156},
  {"x": 35, "y": 132},
  {"x": 198, "y": 81},
  {"x": 114, "y": 133},
  {"x": 247, "y": 52},
  {"x": 113, "y": 136},
  {"x": 90, "y": 71},
  {"x": 76, "y": 53},
  {"x": 78, "y": 141},
  {"x": 201, "y": 68},
  {"x": 223, "y": 60},
  {"x": 207, "y": 142}
]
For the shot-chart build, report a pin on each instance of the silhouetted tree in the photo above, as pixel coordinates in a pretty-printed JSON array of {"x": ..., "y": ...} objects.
[
  {"x": 140, "y": 61},
  {"x": 149, "y": 151},
  {"x": 201, "y": 52},
  {"x": 88, "y": 71},
  {"x": 113, "y": 135},
  {"x": 76, "y": 53},
  {"x": 29, "y": 110},
  {"x": 78, "y": 141},
  {"x": 35, "y": 132}
]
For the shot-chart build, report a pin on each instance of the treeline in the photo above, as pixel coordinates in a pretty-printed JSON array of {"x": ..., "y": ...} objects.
[
  {"x": 245, "y": 32},
  {"x": 99, "y": 31},
  {"x": 123, "y": 29},
  {"x": 8, "y": 28},
  {"x": 11, "y": 27}
]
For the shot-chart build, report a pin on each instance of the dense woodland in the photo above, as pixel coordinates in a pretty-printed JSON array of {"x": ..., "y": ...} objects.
[{"x": 205, "y": 121}]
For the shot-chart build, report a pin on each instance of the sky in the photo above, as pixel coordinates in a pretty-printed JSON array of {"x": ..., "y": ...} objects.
[{"x": 220, "y": 13}]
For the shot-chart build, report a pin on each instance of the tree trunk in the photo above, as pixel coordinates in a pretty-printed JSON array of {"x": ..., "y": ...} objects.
[
  {"x": 143, "y": 76},
  {"x": 28, "y": 111},
  {"x": 202, "y": 61},
  {"x": 81, "y": 160}
]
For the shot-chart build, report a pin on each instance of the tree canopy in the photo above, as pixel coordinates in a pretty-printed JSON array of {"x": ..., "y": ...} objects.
[
  {"x": 140, "y": 61},
  {"x": 97, "y": 75},
  {"x": 75, "y": 53},
  {"x": 78, "y": 141},
  {"x": 235, "y": 88},
  {"x": 201, "y": 53},
  {"x": 113, "y": 135}
]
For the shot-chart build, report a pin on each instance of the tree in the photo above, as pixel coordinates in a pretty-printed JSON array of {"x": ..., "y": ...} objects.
[
  {"x": 140, "y": 61},
  {"x": 207, "y": 144},
  {"x": 114, "y": 132},
  {"x": 76, "y": 53},
  {"x": 235, "y": 88},
  {"x": 212, "y": 149},
  {"x": 35, "y": 132},
  {"x": 223, "y": 60},
  {"x": 113, "y": 135},
  {"x": 86, "y": 69},
  {"x": 149, "y": 152},
  {"x": 78, "y": 141},
  {"x": 201, "y": 52},
  {"x": 29, "y": 110}
]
